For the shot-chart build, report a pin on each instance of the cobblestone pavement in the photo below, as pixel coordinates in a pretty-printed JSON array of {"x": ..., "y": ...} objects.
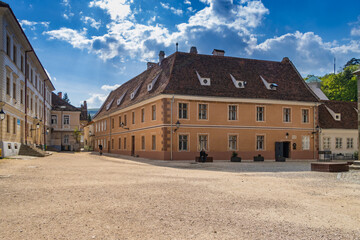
[{"x": 85, "y": 196}]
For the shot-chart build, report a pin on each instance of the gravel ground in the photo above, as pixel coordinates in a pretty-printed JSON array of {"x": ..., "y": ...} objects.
[{"x": 85, "y": 196}]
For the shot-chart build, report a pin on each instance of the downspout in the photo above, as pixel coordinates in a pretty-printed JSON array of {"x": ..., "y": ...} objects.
[
  {"x": 44, "y": 110},
  {"x": 314, "y": 130},
  {"x": 171, "y": 129}
]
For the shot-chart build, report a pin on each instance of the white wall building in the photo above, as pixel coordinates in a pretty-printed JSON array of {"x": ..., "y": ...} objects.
[{"x": 26, "y": 103}]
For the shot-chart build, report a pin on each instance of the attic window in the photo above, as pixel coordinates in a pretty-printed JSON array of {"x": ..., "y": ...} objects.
[
  {"x": 203, "y": 81},
  {"x": 151, "y": 85},
  {"x": 237, "y": 83},
  {"x": 133, "y": 94},
  {"x": 118, "y": 102},
  {"x": 337, "y": 116},
  {"x": 269, "y": 86},
  {"x": 109, "y": 104}
]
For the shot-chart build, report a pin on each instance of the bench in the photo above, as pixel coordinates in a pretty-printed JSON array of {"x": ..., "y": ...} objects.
[
  {"x": 208, "y": 159},
  {"x": 330, "y": 166}
]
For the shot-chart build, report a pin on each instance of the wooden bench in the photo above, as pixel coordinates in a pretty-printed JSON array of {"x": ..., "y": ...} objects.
[
  {"x": 208, "y": 159},
  {"x": 330, "y": 166}
]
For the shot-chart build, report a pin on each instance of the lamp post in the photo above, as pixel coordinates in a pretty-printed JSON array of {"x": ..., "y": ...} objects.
[{"x": 2, "y": 117}]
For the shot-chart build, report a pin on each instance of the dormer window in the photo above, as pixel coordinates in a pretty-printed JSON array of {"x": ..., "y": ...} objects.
[
  {"x": 338, "y": 117},
  {"x": 109, "y": 104},
  {"x": 269, "y": 86},
  {"x": 237, "y": 83},
  {"x": 118, "y": 102},
  {"x": 133, "y": 94},
  {"x": 203, "y": 81},
  {"x": 152, "y": 84}
]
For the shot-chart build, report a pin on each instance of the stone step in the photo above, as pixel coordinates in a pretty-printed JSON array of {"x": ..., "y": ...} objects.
[
  {"x": 31, "y": 151},
  {"x": 354, "y": 167}
]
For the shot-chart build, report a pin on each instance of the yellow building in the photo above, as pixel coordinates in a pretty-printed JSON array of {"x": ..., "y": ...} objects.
[
  {"x": 25, "y": 89},
  {"x": 188, "y": 102}
]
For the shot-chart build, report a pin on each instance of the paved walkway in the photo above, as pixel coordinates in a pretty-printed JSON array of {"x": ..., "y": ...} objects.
[{"x": 85, "y": 196}]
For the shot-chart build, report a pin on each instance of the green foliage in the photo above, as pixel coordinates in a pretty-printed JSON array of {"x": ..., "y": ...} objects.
[
  {"x": 89, "y": 117},
  {"x": 77, "y": 134},
  {"x": 341, "y": 86},
  {"x": 351, "y": 62},
  {"x": 66, "y": 98},
  {"x": 234, "y": 154}
]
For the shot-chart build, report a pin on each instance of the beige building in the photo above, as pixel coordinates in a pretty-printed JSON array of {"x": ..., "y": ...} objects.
[
  {"x": 189, "y": 101},
  {"x": 25, "y": 89},
  {"x": 89, "y": 133},
  {"x": 65, "y": 120}
]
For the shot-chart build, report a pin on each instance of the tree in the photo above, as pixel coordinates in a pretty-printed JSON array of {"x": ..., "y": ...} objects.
[
  {"x": 66, "y": 98},
  {"x": 353, "y": 61},
  {"x": 341, "y": 86},
  {"x": 77, "y": 134},
  {"x": 89, "y": 118}
]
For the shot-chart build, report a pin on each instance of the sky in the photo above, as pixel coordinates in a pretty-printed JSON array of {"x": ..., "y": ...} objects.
[{"x": 90, "y": 47}]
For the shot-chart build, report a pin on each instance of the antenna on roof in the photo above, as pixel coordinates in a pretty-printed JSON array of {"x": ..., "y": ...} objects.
[
  {"x": 177, "y": 47},
  {"x": 334, "y": 65}
]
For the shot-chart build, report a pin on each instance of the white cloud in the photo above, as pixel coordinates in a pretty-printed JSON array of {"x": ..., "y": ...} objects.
[
  {"x": 109, "y": 87},
  {"x": 117, "y": 9},
  {"x": 93, "y": 23},
  {"x": 76, "y": 38},
  {"x": 187, "y": 2},
  {"x": 172, "y": 9},
  {"x": 68, "y": 13},
  {"x": 96, "y": 100},
  {"x": 308, "y": 51},
  {"x": 32, "y": 24}
]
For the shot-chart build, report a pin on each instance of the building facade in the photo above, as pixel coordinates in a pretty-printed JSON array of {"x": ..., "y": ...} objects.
[
  {"x": 25, "y": 89},
  {"x": 65, "y": 122},
  {"x": 188, "y": 102}
]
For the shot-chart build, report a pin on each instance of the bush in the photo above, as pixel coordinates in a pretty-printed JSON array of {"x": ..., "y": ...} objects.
[
  {"x": 234, "y": 154},
  {"x": 356, "y": 155}
]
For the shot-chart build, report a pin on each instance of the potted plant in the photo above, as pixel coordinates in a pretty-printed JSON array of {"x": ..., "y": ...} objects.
[
  {"x": 259, "y": 158},
  {"x": 235, "y": 158}
]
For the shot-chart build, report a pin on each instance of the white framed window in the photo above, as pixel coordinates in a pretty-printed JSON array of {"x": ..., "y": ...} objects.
[
  {"x": 66, "y": 119},
  {"x": 203, "y": 111},
  {"x": 305, "y": 142},
  {"x": 183, "y": 142},
  {"x": 203, "y": 142},
  {"x": 286, "y": 115},
  {"x": 260, "y": 114},
  {"x": 305, "y": 115},
  {"x": 183, "y": 110},
  {"x": 349, "y": 143},
  {"x": 232, "y": 112},
  {"x": 232, "y": 142},
  {"x": 53, "y": 119},
  {"x": 338, "y": 143},
  {"x": 260, "y": 142},
  {"x": 105, "y": 125},
  {"x": 153, "y": 112},
  {"x": 66, "y": 139},
  {"x": 326, "y": 143}
]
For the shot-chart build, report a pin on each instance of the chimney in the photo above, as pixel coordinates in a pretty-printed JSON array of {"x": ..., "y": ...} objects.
[
  {"x": 285, "y": 60},
  {"x": 217, "y": 52},
  {"x": 150, "y": 65},
  {"x": 161, "y": 56},
  {"x": 193, "y": 50},
  {"x": 60, "y": 94}
]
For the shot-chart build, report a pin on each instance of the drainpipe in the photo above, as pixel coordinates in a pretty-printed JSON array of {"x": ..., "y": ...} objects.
[
  {"x": 44, "y": 110},
  {"x": 171, "y": 129},
  {"x": 26, "y": 103}
]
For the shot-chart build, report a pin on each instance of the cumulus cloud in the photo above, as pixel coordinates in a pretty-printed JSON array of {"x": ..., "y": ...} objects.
[
  {"x": 187, "y": 2},
  {"x": 96, "y": 100},
  {"x": 76, "y": 38},
  {"x": 32, "y": 24},
  {"x": 93, "y": 23},
  {"x": 172, "y": 9},
  {"x": 117, "y": 9},
  {"x": 109, "y": 87},
  {"x": 308, "y": 51},
  {"x": 68, "y": 12}
]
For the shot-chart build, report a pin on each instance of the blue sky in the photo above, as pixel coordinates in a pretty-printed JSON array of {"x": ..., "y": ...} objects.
[{"x": 90, "y": 47}]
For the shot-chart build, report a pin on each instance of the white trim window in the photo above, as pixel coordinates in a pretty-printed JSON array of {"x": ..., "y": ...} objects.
[
  {"x": 203, "y": 142},
  {"x": 232, "y": 142},
  {"x": 305, "y": 115},
  {"x": 326, "y": 143},
  {"x": 260, "y": 142},
  {"x": 232, "y": 112},
  {"x": 66, "y": 119},
  {"x": 349, "y": 143},
  {"x": 338, "y": 143},
  {"x": 286, "y": 115},
  {"x": 66, "y": 139},
  {"x": 183, "y": 142},
  {"x": 260, "y": 114},
  {"x": 203, "y": 111},
  {"x": 53, "y": 119},
  {"x": 183, "y": 110},
  {"x": 305, "y": 142}
]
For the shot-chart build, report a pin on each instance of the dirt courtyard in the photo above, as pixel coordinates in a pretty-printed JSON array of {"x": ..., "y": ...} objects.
[{"x": 85, "y": 196}]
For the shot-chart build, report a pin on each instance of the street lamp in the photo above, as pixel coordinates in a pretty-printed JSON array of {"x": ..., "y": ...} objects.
[
  {"x": 177, "y": 124},
  {"x": 2, "y": 114}
]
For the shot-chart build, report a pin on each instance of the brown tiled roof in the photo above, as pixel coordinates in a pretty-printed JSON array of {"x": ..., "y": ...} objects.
[
  {"x": 178, "y": 76},
  {"x": 349, "y": 116},
  {"x": 57, "y": 102}
]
